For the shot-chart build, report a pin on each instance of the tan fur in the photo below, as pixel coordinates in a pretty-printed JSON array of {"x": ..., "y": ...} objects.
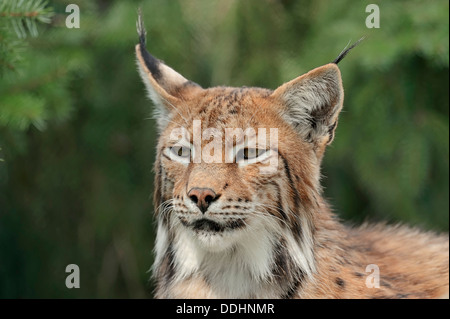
[{"x": 412, "y": 263}]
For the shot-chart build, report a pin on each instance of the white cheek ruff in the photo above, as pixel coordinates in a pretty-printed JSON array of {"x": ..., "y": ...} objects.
[
  {"x": 238, "y": 266},
  {"x": 234, "y": 272},
  {"x": 161, "y": 245},
  {"x": 188, "y": 256}
]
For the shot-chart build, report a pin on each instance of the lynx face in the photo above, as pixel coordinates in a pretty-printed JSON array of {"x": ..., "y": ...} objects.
[
  {"x": 242, "y": 193},
  {"x": 237, "y": 195},
  {"x": 222, "y": 203}
]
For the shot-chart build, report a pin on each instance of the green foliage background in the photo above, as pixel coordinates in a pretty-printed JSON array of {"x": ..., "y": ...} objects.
[{"x": 77, "y": 146}]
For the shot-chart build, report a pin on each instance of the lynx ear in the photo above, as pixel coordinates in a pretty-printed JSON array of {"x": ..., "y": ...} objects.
[
  {"x": 165, "y": 87},
  {"x": 313, "y": 102}
]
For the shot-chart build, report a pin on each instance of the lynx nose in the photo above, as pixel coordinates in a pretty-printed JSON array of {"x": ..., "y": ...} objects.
[{"x": 202, "y": 197}]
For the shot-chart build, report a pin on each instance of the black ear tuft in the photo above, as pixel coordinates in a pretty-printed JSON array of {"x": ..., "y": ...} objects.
[
  {"x": 141, "y": 29},
  {"x": 151, "y": 62},
  {"x": 347, "y": 50}
]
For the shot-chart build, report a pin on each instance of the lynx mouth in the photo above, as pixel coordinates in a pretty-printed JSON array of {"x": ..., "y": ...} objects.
[{"x": 209, "y": 225}]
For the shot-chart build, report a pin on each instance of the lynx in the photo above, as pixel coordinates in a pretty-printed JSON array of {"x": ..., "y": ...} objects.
[{"x": 229, "y": 230}]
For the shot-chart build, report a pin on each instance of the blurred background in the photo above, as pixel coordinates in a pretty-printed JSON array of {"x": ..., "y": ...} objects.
[{"x": 77, "y": 144}]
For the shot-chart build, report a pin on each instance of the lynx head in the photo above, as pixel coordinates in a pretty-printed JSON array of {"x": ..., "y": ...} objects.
[{"x": 214, "y": 192}]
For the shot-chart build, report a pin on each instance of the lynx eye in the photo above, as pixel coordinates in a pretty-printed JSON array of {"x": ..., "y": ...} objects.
[
  {"x": 178, "y": 153},
  {"x": 247, "y": 154},
  {"x": 181, "y": 151}
]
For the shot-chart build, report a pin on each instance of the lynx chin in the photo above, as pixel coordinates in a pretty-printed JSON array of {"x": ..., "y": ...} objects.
[{"x": 227, "y": 230}]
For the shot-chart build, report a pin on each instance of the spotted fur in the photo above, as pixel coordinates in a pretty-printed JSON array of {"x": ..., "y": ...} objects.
[{"x": 271, "y": 235}]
